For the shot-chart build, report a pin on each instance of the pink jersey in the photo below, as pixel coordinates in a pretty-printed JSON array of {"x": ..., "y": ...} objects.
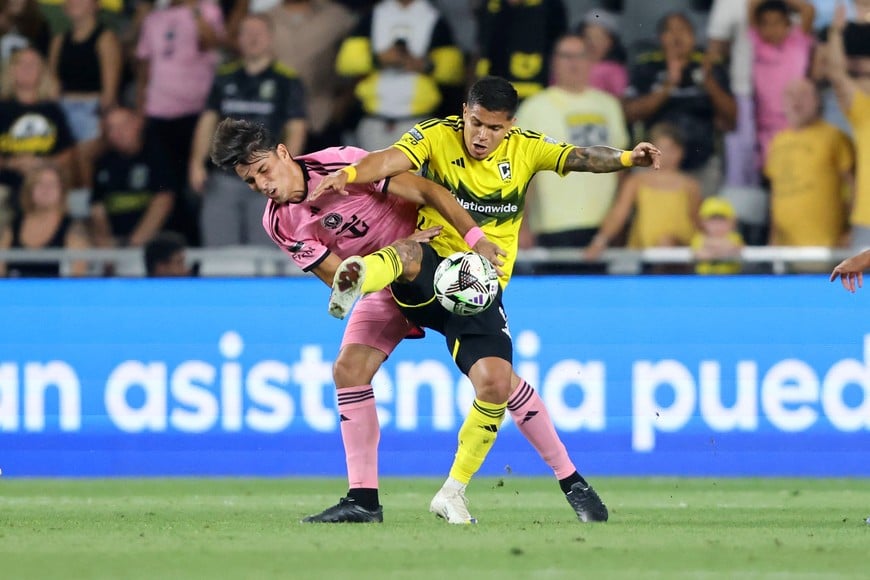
[
  {"x": 180, "y": 74},
  {"x": 365, "y": 220}
]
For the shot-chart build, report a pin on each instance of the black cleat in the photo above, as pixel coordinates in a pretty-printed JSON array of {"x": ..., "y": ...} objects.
[
  {"x": 347, "y": 511},
  {"x": 586, "y": 503}
]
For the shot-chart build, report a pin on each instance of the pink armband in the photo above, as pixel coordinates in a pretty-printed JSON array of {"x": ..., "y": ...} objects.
[{"x": 473, "y": 236}]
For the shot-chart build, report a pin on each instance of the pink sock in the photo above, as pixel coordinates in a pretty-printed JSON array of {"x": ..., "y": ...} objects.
[
  {"x": 360, "y": 433},
  {"x": 531, "y": 416}
]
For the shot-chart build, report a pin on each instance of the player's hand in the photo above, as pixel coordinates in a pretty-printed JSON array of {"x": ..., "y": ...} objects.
[
  {"x": 491, "y": 252},
  {"x": 336, "y": 181},
  {"x": 646, "y": 155},
  {"x": 426, "y": 235},
  {"x": 850, "y": 271}
]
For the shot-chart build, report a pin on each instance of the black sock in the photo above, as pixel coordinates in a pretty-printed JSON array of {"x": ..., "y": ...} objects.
[
  {"x": 566, "y": 483},
  {"x": 367, "y": 497}
]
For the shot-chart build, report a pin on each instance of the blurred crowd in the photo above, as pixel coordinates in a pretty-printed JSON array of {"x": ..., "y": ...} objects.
[{"x": 760, "y": 107}]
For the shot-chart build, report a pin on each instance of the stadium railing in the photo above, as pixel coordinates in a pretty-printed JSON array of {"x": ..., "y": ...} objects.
[{"x": 264, "y": 261}]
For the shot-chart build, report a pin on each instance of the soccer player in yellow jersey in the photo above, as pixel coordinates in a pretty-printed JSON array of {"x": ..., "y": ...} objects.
[{"x": 487, "y": 164}]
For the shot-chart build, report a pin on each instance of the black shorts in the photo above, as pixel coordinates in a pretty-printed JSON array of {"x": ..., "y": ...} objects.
[{"x": 469, "y": 338}]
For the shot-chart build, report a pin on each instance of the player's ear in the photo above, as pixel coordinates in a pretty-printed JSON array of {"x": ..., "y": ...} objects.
[{"x": 283, "y": 152}]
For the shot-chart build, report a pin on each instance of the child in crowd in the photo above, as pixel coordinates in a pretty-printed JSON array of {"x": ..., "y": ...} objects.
[
  {"x": 608, "y": 73},
  {"x": 717, "y": 246},
  {"x": 782, "y": 53},
  {"x": 810, "y": 168},
  {"x": 665, "y": 202}
]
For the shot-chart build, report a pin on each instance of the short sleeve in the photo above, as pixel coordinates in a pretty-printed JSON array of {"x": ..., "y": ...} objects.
[
  {"x": 418, "y": 143},
  {"x": 548, "y": 154},
  {"x": 307, "y": 254},
  {"x": 302, "y": 247},
  {"x": 721, "y": 23}
]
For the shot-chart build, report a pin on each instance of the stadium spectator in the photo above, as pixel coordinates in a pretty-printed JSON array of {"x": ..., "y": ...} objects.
[
  {"x": 165, "y": 256},
  {"x": 33, "y": 127},
  {"x": 810, "y": 166},
  {"x": 44, "y": 222},
  {"x": 781, "y": 54},
  {"x": 608, "y": 73},
  {"x": 178, "y": 55},
  {"x": 307, "y": 35},
  {"x": 22, "y": 25},
  {"x": 675, "y": 84},
  {"x": 132, "y": 196},
  {"x": 404, "y": 57},
  {"x": 256, "y": 88},
  {"x": 567, "y": 211},
  {"x": 516, "y": 39},
  {"x": 87, "y": 61},
  {"x": 665, "y": 202},
  {"x": 717, "y": 245},
  {"x": 728, "y": 41},
  {"x": 854, "y": 96}
]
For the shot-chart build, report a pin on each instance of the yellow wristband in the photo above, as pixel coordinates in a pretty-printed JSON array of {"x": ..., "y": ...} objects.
[
  {"x": 351, "y": 173},
  {"x": 625, "y": 159}
]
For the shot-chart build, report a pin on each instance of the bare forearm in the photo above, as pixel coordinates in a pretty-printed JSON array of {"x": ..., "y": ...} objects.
[
  {"x": 295, "y": 133},
  {"x": 445, "y": 204},
  {"x": 202, "y": 135},
  {"x": 595, "y": 159},
  {"x": 724, "y": 103},
  {"x": 381, "y": 164},
  {"x": 153, "y": 219},
  {"x": 641, "y": 108}
]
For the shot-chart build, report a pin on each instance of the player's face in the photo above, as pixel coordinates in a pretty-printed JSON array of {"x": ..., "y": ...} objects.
[
  {"x": 276, "y": 175},
  {"x": 484, "y": 129}
]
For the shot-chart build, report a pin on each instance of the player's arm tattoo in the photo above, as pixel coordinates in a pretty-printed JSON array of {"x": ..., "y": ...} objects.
[
  {"x": 597, "y": 159},
  {"x": 411, "y": 255}
]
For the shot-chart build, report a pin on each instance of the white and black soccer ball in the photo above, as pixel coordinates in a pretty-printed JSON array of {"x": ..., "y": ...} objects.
[{"x": 466, "y": 283}]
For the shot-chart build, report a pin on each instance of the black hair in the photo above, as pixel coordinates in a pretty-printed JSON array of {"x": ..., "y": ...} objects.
[
  {"x": 160, "y": 249},
  {"x": 771, "y": 6},
  {"x": 494, "y": 94},
  {"x": 663, "y": 21},
  {"x": 617, "y": 52},
  {"x": 240, "y": 142},
  {"x": 668, "y": 131}
]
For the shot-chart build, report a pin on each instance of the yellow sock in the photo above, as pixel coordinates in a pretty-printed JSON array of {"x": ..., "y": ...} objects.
[
  {"x": 382, "y": 268},
  {"x": 476, "y": 437}
]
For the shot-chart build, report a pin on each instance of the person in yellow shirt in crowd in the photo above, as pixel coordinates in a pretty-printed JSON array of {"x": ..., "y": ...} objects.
[
  {"x": 853, "y": 93},
  {"x": 717, "y": 245},
  {"x": 567, "y": 211},
  {"x": 665, "y": 202},
  {"x": 809, "y": 165}
]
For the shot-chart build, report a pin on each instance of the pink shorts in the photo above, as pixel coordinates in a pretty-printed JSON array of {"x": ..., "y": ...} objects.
[{"x": 376, "y": 321}]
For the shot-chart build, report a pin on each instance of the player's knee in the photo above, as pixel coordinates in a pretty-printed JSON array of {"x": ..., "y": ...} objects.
[
  {"x": 411, "y": 254},
  {"x": 347, "y": 374},
  {"x": 492, "y": 387}
]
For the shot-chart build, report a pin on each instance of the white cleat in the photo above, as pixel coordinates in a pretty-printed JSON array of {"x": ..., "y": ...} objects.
[
  {"x": 452, "y": 506},
  {"x": 346, "y": 286}
]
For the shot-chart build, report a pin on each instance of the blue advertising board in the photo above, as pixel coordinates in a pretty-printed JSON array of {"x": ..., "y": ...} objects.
[{"x": 642, "y": 376}]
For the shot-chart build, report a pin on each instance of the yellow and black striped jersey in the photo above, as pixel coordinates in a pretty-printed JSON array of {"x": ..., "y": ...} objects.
[{"x": 492, "y": 190}]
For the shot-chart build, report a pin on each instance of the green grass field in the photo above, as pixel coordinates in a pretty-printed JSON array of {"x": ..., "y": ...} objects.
[{"x": 249, "y": 528}]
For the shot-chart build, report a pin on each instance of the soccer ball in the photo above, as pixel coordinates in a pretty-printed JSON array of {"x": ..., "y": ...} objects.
[{"x": 465, "y": 283}]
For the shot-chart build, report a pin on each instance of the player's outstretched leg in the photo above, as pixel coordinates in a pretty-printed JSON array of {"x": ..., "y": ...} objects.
[{"x": 533, "y": 420}]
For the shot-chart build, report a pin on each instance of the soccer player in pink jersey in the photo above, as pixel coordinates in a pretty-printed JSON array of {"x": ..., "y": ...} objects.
[{"x": 317, "y": 237}]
